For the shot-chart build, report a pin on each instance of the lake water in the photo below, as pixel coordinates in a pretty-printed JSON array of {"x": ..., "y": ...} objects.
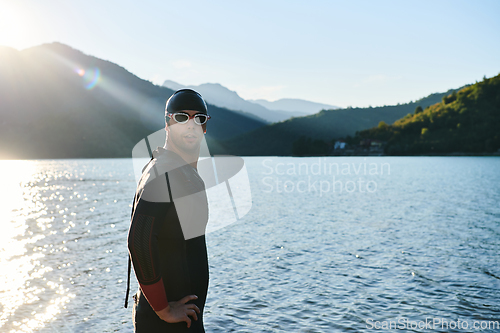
[{"x": 336, "y": 244}]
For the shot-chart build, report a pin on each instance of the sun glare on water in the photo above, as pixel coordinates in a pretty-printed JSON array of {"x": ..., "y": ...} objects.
[{"x": 23, "y": 284}]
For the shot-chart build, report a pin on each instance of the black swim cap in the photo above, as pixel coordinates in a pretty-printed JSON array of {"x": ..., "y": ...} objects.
[{"x": 186, "y": 99}]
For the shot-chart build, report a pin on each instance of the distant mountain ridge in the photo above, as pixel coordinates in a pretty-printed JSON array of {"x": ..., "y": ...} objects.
[
  {"x": 57, "y": 102},
  {"x": 221, "y": 96},
  {"x": 218, "y": 95},
  {"x": 294, "y": 104}
]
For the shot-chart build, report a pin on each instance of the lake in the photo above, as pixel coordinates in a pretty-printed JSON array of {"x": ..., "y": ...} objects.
[{"x": 330, "y": 244}]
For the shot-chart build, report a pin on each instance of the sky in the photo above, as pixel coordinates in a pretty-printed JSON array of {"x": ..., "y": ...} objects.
[{"x": 342, "y": 53}]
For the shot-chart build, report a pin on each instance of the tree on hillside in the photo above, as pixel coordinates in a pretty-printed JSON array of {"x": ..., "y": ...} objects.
[{"x": 382, "y": 125}]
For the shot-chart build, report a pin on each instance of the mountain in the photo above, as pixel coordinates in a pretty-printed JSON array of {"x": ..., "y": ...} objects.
[
  {"x": 277, "y": 139},
  {"x": 174, "y": 85},
  {"x": 57, "y": 102},
  {"x": 465, "y": 121},
  {"x": 294, "y": 105},
  {"x": 219, "y": 95}
]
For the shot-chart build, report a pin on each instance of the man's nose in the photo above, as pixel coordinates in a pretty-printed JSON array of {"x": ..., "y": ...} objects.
[{"x": 191, "y": 123}]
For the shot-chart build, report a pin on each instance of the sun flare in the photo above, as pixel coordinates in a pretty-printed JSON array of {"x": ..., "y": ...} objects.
[{"x": 17, "y": 25}]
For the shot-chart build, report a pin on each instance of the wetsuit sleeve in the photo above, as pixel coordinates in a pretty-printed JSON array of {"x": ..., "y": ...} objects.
[{"x": 146, "y": 223}]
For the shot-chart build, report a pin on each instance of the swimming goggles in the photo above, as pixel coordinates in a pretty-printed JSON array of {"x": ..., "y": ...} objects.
[{"x": 182, "y": 117}]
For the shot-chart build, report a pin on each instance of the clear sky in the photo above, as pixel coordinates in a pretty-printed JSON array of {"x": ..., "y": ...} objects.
[{"x": 345, "y": 53}]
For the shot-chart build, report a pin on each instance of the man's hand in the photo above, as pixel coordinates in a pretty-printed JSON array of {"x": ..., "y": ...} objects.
[{"x": 179, "y": 311}]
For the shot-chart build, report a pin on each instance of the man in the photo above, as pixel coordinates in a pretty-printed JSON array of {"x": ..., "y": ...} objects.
[{"x": 166, "y": 239}]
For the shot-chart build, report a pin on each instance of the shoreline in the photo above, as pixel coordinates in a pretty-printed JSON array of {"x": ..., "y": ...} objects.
[{"x": 330, "y": 155}]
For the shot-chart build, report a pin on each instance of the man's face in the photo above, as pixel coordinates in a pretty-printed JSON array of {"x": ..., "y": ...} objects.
[{"x": 185, "y": 137}]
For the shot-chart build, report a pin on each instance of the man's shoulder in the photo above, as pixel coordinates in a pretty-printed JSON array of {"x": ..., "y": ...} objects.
[
  {"x": 153, "y": 187},
  {"x": 166, "y": 177},
  {"x": 153, "y": 184},
  {"x": 163, "y": 161}
]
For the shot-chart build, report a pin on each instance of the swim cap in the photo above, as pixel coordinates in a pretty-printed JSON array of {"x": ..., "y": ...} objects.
[{"x": 185, "y": 99}]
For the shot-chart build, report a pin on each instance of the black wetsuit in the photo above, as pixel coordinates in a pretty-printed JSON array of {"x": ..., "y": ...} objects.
[{"x": 167, "y": 241}]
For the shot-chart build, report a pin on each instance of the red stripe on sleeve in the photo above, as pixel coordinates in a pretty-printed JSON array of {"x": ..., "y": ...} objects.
[{"x": 155, "y": 294}]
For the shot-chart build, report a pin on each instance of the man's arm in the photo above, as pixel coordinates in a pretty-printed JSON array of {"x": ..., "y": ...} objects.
[{"x": 143, "y": 248}]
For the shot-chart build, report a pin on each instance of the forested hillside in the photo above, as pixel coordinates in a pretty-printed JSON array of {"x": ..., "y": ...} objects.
[{"x": 464, "y": 121}]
